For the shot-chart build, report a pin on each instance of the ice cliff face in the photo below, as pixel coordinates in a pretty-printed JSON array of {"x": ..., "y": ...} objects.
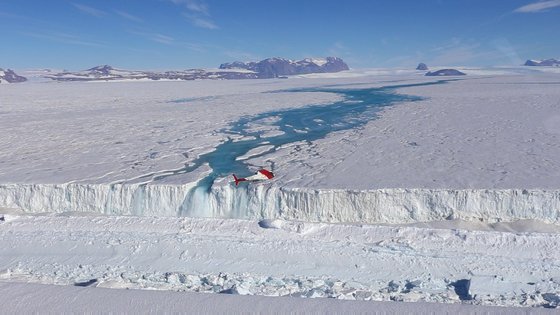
[{"x": 260, "y": 201}]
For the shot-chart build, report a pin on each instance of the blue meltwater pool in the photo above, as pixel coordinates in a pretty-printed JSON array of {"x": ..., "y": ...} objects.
[{"x": 306, "y": 123}]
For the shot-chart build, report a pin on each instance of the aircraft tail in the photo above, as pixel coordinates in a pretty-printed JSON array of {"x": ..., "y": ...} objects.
[{"x": 237, "y": 180}]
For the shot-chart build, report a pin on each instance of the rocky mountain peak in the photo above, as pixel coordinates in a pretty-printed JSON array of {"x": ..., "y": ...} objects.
[
  {"x": 422, "y": 66},
  {"x": 103, "y": 69},
  {"x": 10, "y": 76},
  {"x": 543, "y": 63},
  {"x": 276, "y": 66}
]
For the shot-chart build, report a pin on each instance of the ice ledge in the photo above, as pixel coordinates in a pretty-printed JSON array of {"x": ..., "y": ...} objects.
[{"x": 262, "y": 201}]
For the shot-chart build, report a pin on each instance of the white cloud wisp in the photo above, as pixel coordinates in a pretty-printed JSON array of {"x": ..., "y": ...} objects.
[{"x": 539, "y": 6}]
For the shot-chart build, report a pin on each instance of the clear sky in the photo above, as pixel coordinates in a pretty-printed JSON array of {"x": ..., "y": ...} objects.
[{"x": 181, "y": 34}]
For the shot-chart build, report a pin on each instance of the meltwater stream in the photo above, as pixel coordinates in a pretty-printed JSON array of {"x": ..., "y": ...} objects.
[{"x": 307, "y": 123}]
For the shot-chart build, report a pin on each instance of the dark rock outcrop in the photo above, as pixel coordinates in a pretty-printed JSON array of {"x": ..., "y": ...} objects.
[
  {"x": 422, "y": 66},
  {"x": 10, "y": 76},
  {"x": 101, "y": 70},
  {"x": 543, "y": 63},
  {"x": 444, "y": 72}
]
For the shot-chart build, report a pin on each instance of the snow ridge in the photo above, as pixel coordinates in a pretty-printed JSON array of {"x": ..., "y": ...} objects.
[{"x": 395, "y": 205}]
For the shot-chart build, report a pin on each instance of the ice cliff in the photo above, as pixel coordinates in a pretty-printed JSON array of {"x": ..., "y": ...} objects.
[{"x": 262, "y": 201}]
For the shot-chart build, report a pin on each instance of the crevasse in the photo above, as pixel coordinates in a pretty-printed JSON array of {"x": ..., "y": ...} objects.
[{"x": 393, "y": 205}]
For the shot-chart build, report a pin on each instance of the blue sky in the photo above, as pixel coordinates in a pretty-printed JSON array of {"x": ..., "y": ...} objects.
[{"x": 181, "y": 34}]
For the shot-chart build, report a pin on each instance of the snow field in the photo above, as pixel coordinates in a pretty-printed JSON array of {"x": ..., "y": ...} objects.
[
  {"x": 491, "y": 132},
  {"x": 278, "y": 258},
  {"x": 504, "y": 136},
  {"x": 54, "y": 299},
  {"x": 122, "y": 132}
]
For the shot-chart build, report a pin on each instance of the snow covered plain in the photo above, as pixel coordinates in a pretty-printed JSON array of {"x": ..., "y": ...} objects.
[
  {"x": 283, "y": 258},
  {"x": 462, "y": 165}
]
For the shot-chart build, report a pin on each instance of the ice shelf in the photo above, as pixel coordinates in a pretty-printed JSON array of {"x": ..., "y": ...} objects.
[{"x": 268, "y": 201}]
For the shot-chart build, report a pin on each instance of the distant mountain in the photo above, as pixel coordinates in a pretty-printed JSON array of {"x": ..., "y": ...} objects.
[
  {"x": 101, "y": 70},
  {"x": 275, "y": 67},
  {"x": 444, "y": 72},
  {"x": 268, "y": 68},
  {"x": 10, "y": 76},
  {"x": 108, "y": 73},
  {"x": 422, "y": 66},
  {"x": 548, "y": 62}
]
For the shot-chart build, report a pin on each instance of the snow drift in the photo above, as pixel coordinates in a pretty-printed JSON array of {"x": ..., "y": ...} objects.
[{"x": 262, "y": 201}]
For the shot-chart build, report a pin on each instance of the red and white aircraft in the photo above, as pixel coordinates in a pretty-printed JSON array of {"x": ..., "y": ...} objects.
[{"x": 261, "y": 174}]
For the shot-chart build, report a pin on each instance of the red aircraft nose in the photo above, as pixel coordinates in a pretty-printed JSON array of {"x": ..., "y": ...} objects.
[{"x": 266, "y": 173}]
